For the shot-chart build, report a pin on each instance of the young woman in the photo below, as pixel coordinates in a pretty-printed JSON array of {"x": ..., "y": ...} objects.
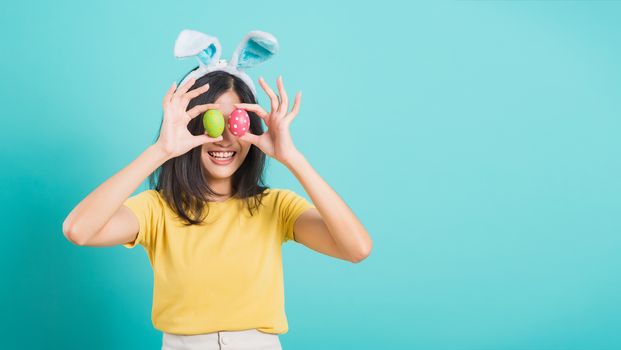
[{"x": 212, "y": 231}]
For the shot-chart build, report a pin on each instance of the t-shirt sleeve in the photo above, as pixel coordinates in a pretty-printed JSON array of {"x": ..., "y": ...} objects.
[
  {"x": 290, "y": 206},
  {"x": 147, "y": 207}
]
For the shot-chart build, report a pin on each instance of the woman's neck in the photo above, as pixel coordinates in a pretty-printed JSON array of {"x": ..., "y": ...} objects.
[{"x": 221, "y": 186}]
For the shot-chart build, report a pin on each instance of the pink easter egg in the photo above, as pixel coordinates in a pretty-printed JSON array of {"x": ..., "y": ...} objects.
[{"x": 239, "y": 122}]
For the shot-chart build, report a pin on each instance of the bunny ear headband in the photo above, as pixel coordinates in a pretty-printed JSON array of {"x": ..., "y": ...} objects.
[{"x": 254, "y": 48}]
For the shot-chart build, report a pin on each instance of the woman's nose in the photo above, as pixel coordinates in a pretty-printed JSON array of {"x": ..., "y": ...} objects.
[
  {"x": 227, "y": 136},
  {"x": 227, "y": 133}
]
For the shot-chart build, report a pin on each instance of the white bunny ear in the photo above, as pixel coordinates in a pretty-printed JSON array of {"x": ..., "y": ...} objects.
[
  {"x": 193, "y": 43},
  {"x": 254, "y": 48}
]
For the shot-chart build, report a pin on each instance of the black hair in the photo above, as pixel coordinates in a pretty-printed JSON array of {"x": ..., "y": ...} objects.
[{"x": 181, "y": 180}]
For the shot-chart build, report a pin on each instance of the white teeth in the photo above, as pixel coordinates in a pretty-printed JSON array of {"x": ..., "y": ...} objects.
[{"x": 223, "y": 155}]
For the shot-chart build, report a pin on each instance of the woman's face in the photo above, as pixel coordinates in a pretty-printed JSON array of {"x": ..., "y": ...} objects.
[{"x": 225, "y": 167}]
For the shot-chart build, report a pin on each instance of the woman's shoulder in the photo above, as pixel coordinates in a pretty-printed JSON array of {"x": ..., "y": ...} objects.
[
  {"x": 148, "y": 198},
  {"x": 277, "y": 196},
  {"x": 151, "y": 194},
  {"x": 276, "y": 192}
]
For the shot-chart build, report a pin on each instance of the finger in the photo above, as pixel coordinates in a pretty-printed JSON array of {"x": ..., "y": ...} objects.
[
  {"x": 284, "y": 103},
  {"x": 252, "y": 138},
  {"x": 202, "y": 139},
  {"x": 185, "y": 87},
  {"x": 196, "y": 92},
  {"x": 270, "y": 93},
  {"x": 256, "y": 109},
  {"x": 196, "y": 110},
  {"x": 296, "y": 106},
  {"x": 169, "y": 94}
]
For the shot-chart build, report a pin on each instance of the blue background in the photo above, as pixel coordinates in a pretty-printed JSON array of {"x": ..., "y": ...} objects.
[{"x": 478, "y": 142}]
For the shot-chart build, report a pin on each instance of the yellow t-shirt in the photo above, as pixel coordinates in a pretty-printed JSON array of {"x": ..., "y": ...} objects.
[{"x": 221, "y": 276}]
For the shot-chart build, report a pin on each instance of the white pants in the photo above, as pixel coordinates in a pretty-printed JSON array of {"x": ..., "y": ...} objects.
[{"x": 249, "y": 339}]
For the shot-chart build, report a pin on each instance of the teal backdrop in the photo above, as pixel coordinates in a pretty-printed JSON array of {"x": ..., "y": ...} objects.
[{"x": 478, "y": 142}]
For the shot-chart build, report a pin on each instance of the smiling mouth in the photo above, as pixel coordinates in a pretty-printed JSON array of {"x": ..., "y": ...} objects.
[{"x": 222, "y": 156}]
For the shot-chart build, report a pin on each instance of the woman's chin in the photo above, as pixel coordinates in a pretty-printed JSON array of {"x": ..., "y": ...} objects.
[{"x": 221, "y": 172}]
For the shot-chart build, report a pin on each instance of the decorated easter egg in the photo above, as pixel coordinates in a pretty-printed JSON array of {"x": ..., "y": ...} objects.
[
  {"x": 239, "y": 122},
  {"x": 213, "y": 120}
]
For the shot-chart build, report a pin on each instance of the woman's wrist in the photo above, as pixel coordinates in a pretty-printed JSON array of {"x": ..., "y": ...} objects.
[
  {"x": 293, "y": 158},
  {"x": 159, "y": 152}
]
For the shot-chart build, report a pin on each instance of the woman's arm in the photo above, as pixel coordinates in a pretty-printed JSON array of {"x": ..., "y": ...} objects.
[
  {"x": 102, "y": 208},
  {"x": 94, "y": 211},
  {"x": 332, "y": 217},
  {"x": 332, "y": 228}
]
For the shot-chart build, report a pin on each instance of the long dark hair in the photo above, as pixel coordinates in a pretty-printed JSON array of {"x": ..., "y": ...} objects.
[{"x": 181, "y": 180}]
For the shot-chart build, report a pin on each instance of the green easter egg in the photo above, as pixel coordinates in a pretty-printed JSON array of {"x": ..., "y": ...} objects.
[{"x": 213, "y": 120}]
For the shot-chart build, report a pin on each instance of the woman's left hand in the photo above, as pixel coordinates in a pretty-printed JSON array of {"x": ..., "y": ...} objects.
[{"x": 276, "y": 142}]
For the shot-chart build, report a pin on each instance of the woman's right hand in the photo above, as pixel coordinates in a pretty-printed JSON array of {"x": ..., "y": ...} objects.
[{"x": 175, "y": 139}]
